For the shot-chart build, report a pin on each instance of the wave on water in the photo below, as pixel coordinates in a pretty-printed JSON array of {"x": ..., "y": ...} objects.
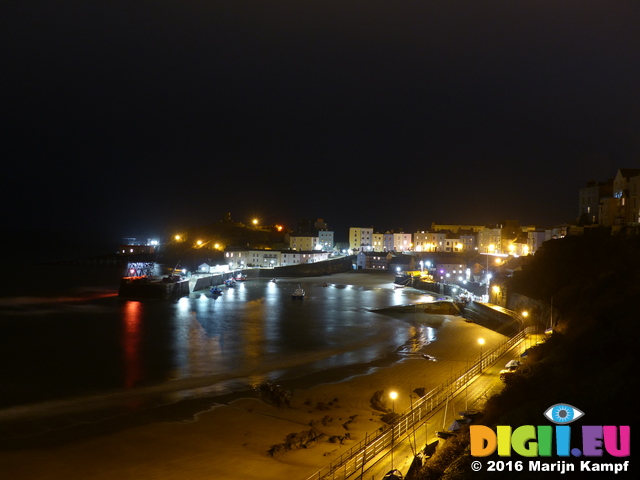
[{"x": 45, "y": 305}]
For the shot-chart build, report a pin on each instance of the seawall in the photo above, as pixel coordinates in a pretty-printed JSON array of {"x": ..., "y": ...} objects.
[
  {"x": 145, "y": 288},
  {"x": 500, "y": 320},
  {"x": 326, "y": 267}
]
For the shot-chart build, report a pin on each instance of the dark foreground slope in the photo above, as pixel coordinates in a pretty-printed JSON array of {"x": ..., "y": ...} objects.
[{"x": 590, "y": 362}]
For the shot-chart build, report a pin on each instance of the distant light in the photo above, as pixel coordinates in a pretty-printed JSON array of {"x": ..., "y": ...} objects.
[
  {"x": 481, "y": 341},
  {"x": 393, "y": 395}
]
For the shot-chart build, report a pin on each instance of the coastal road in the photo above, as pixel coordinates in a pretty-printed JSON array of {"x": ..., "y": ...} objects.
[{"x": 473, "y": 396}]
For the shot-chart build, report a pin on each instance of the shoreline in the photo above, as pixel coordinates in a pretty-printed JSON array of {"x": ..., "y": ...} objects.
[{"x": 201, "y": 438}]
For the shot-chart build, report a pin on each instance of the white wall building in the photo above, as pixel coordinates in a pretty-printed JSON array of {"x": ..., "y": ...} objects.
[
  {"x": 296, "y": 258},
  {"x": 402, "y": 242},
  {"x": 429, "y": 241}
]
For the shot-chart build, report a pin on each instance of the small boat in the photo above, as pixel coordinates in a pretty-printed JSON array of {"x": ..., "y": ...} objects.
[
  {"x": 230, "y": 282},
  {"x": 240, "y": 277},
  {"x": 298, "y": 293},
  {"x": 215, "y": 291},
  {"x": 273, "y": 280}
]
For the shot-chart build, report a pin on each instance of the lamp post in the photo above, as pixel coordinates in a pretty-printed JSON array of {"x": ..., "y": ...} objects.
[
  {"x": 490, "y": 248},
  {"x": 481, "y": 342},
  {"x": 393, "y": 395}
]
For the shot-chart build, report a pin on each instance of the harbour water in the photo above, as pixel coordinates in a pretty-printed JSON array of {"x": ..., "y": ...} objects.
[{"x": 70, "y": 344}]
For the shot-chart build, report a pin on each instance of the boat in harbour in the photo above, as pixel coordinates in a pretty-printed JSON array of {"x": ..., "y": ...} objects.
[{"x": 298, "y": 293}]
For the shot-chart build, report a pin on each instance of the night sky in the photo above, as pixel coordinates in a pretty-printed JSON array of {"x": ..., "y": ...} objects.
[{"x": 137, "y": 118}]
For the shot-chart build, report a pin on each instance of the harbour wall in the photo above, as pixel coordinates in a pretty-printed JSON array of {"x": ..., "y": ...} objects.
[
  {"x": 325, "y": 267},
  {"x": 144, "y": 288},
  {"x": 500, "y": 320},
  {"x": 205, "y": 282}
]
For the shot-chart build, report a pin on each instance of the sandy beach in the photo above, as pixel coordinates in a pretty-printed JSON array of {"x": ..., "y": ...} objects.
[{"x": 233, "y": 440}]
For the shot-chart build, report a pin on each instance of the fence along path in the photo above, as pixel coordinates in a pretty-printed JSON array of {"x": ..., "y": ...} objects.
[{"x": 354, "y": 459}]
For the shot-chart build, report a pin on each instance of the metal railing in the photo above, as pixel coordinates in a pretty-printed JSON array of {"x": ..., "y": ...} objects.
[{"x": 354, "y": 459}]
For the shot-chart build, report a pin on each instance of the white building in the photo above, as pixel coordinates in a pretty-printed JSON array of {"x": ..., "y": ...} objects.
[
  {"x": 248, "y": 258},
  {"x": 402, "y": 242},
  {"x": 429, "y": 241},
  {"x": 296, "y": 258}
]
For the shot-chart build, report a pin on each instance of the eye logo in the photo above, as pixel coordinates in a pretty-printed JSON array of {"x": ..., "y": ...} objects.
[{"x": 562, "y": 413}]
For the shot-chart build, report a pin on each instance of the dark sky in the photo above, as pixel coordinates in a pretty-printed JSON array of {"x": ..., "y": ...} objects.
[{"x": 136, "y": 117}]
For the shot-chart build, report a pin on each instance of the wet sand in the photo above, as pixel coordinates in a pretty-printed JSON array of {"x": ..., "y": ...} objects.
[{"x": 232, "y": 441}]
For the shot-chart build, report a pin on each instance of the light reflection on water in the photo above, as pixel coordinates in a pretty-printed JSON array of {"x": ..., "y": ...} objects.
[
  {"x": 200, "y": 345},
  {"x": 256, "y": 330}
]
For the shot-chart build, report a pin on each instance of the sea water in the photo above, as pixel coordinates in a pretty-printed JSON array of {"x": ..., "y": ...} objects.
[{"x": 70, "y": 344}]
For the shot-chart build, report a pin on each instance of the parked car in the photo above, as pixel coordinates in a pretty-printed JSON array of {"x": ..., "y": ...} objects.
[
  {"x": 393, "y": 475},
  {"x": 510, "y": 368}
]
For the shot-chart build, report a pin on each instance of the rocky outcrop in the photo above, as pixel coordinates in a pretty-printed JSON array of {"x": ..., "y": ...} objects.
[
  {"x": 377, "y": 402},
  {"x": 295, "y": 441},
  {"x": 420, "y": 391},
  {"x": 274, "y": 395}
]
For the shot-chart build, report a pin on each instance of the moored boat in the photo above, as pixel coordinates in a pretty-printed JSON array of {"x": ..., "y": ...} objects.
[{"x": 298, "y": 293}]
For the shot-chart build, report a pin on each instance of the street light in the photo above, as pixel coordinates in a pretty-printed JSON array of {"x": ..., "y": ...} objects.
[
  {"x": 481, "y": 343},
  {"x": 490, "y": 248},
  {"x": 393, "y": 395}
]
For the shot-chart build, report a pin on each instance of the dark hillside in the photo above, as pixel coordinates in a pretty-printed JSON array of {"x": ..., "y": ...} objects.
[{"x": 589, "y": 362}]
